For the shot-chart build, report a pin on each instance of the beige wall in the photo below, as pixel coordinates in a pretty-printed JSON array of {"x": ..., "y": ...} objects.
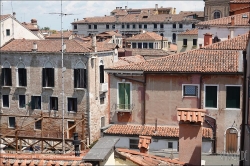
[{"x": 190, "y": 46}]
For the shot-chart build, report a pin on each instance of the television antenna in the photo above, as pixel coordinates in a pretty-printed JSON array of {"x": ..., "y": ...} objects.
[{"x": 63, "y": 70}]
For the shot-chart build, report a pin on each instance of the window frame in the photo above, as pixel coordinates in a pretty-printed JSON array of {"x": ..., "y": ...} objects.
[
  {"x": 102, "y": 122},
  {"x": 19, "y": 102},
  {"x": 74, "y": 98},
  {"x": 205, "y": 85},
  {"x": 50, "y": 103},
  {"x": 77, "y": 79},
  {"x": 95, "y": 26},
  {"x": 145, "y": 26},
  {"x": 198, "y": 90},
  {"x": 131, "y": 145},
  {"x": 23, "y": 80},
  {"x": 180, "y": 26},
  {"x": 48, "y": 77},
  {"x": 172, "y": 144},
  {"x": 174, "y": 26},
  {"x": 140, "y": 26},
  {"x": 161, "y": 26},
  {"x": 133, "y": 26},
  {"x": 239, "y": 95},
  {"x": 7, "y": 32},
  {"x": 35, "y": 125},
  {"x": 194, "y": 42},
  {"x": 102, "y": 96},
  {"x": 185, "y": 41},
  {"x": 5, "y": 80},
  {"x": 9, "y": 122},
  {"x": 32, "y": 102},
  {"x": 75, "y": 26},
  {"x": 8, "y": 100},
  {"x": 155, "y": 26},
  {"x": 128, "y": 26},
  {"x": 118, "y": 97}
]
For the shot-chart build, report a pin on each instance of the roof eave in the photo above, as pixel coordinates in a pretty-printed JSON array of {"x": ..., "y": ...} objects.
[{"x": 124, "y": 71}]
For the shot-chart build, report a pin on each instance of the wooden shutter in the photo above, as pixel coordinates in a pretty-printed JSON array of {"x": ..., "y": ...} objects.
[
  {"x": 121, "y": 95},
  {"x": 233, "y": 97},
  {"x": 127, "y": 96},
  {"x": 101, "y": 70},
  {"x": 44, "y": 77}
]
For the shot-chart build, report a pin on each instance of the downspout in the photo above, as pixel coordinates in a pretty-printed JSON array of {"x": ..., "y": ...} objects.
[
  {"x": 88, "y": 107},
  {"x": 243, "y": 122},
  {"x": 199, "y": 104}
]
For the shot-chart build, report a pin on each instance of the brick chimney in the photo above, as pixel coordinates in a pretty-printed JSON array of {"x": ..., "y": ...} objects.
[
  {"x": 144, "y": 142},
  {"x": 208, "y": 39},
  {"x": 34, "y": 22},
  {"x": 190, "y": 134},
  {"x": 232, "y": 21}
]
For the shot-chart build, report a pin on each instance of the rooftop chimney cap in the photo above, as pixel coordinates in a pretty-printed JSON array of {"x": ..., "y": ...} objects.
[{"x": 34, "y": 46}]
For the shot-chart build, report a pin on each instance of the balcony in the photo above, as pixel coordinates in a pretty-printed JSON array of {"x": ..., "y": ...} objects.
[
  {"x": 124, "y": 107},
  {"x": 103, "y": 87}
]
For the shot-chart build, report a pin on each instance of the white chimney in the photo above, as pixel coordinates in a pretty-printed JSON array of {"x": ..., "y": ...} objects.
[
  {"x": 156, "y": 6},
  {"x": 232, "y": 33},
  {"x": 14, "y": 14},
  {"x": 34, "y": 47},
  {"x": 94, "y": 42},
  {"x": 64, "y": 46}
]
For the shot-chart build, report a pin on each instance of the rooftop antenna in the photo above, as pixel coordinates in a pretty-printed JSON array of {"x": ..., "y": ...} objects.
[{"x": 63, "y": 70}]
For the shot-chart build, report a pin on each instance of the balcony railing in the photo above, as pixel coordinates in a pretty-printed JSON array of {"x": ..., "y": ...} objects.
[{"x": 124, "y": 107}]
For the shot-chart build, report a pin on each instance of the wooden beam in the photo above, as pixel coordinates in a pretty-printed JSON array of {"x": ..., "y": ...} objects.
[
  {"x": 9, "y": 143},
  {"x": 38, "y": 138},
  {"x": 73, "y": 125},
  {"x": 35, "y": 116}
]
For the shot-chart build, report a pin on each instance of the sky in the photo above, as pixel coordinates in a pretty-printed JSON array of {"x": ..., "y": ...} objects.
[{"x": 40, "y": 10}]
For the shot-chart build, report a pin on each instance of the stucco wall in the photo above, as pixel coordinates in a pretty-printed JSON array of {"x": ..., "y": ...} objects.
[{"x": 189, "y": 46}]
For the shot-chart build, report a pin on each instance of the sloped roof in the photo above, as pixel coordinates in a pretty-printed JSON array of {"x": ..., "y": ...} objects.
[
  {"x": 129, "y": 60},
  {"x": 239, "y": 20},
  {"x": 146, "y": 36},
  {"x": 190, "y": 32},
  {"x": 30, "y": 26},
  {"x": 162, "y": 131},
  {"x": 201, "y": 61},
  {"x": 57, "y": 35},
  {"x": 3, "y": 17},
  {"x": 236, "y": 43},
  {"x": 239, "y": 1},
  {"x": 188, "y": 13},
  {"x": 109, "y": 33},
  {"x": 147, "y": 159}
]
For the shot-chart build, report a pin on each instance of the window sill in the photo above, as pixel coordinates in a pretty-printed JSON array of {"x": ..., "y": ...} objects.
[
  {"x": 189, "y": 96},
  {"x": 211, "y": 108},
  {"x": 184, "y": 46},
  {"x": 48, "y": 88},
  {"x": 22, "y": 87},
  {"x": 79, "y": 88},
  {"x": 72, "y": 112},
  {"x": 6, "y": 86},
  {"x": 123, "y": 110},
  {"x": 233, "y": 109}
]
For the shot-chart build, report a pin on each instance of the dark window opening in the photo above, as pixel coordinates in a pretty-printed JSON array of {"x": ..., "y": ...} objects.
[
  {"x": 155, "y": 26},
  {"x": 233, "y": 97},
  {"x": 133, "y": 45},
  {"x": 6, "y": 77},
  {"x": 6, "y": 102},
  {"x": 38, "y": 125},
  {"x": 193, "y": 25},
  {"x": 21, "y": 101},
  {"x": 95, "y": 26},
  {"x": 7, "y": 32},
  {"x": 36, "y": 102},
  {"x": 145, "y": 26},
  {"x": 12, "y": 122},
  {"x": 140, "y": 26},
  {"x": 211, "y": 96},
  {"x": 101, "y": 69},
  {"x": 184, "y": 42},
  {"x": 216, "y": 15},
  {"x": 89, "y": 26},
  {"x": 102, "y": 98},
  {"x": 170, "y": 145},
  {"x": 80, "y": 78},
  {"x": 174, "y": 26},
  {"x": 72, "y": 104},
  {"x": 161, "y": 26},
  {"x": 133, "y": 143},
  {"x": 123, "y": 26},
  {"x": 194, "y": 42},
  {"x": 190, "y": 90},
  {"x": 151, "y": 45},
  {"x": 22, "y": 77},
  {"x": 48, "y": 77},
  {"x": 174, "y": 38},
  {"x": 180, "y": 26},
  {"x": 113, "y": 26},
  {"x": 134, "y": 26},
  {"x": 53, "y": 103},
  {"x": 139, "y": 45},
  {"x": 145, "y": 45},
  {"x": 75, "y": 26},
  {"x": 107, "y": 26},
  {"x": 128, "y": 26}
]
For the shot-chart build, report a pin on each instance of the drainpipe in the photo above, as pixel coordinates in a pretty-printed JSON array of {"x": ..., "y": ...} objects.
[
  {"x": 199, "y": 104},
  {"x": 242, "y": 138}
]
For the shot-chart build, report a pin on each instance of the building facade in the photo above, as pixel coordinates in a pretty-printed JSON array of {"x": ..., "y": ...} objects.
[
  {"x": 216, "y": 9},
  {"x": 187, "y": 40}
]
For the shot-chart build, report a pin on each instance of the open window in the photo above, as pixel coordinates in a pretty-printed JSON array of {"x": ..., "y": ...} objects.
[
  {"x": 80, "y": 76},
  {"x": 54, "y": 103},
  {"x": 38, "y": 125},
  {"x": 6, "y": 101},
  {"x": 124, "y": 96},
  {"x": 22, "y": 75},
  {"x": 72, "y": 104},
  {"x": 36, "y": 102},
  {"x": 48, "y": 75},
  {"x": 6, "y": 75}
]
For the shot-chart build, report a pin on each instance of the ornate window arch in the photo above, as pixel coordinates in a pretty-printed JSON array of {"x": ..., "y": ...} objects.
[
  {"x": 80, "y": 75},
  {"x": 217, "y": 14}
]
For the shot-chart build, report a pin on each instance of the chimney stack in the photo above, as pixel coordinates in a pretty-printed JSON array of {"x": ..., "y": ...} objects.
[
  {"x": 94, "y": 42},
  {"x": 228, "y": 36},
  {"x": 174, "y": 12},
  {"x": 232, "y": 21},
  {"x": 125, "y": 7},
  {"x": 144, "y": 142},
  {"x": 34, "y": 22},
  {"x": 200, "y": 45},
  {"x": 156, "y": 6},
  {"x": 208, "y": 39},
  {"x": 231, "y": 33},
  {"x": 34, "y": 49},
  {"x": 14, "y": 15}
]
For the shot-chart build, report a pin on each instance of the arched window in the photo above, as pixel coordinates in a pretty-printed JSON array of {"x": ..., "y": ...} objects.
[
  {"x": 101, "y": 71},
  {"x": 22, "y": 74},
  {"x": 48, "y": 75},
  {"x": 174, "y": 38},
  {"x": 217, "y": 14},
  {"x": 80, "y": 75},
  {"x": 6, "y": 74}
]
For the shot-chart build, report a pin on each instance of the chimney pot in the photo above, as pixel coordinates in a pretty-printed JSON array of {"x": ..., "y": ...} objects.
[
  {"x": 207, "y": 39},
  {"x": 14, "y": 14},
  {"x": 232, "y": 20},
  {"x": 156, "y": 6},
  {"x": 34, "y": 46}
]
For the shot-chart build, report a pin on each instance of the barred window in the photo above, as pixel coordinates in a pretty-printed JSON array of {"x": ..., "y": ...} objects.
[{"x": 190, "y": 90}]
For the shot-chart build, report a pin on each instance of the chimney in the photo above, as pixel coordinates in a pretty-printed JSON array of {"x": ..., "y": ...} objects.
[
  {"x": 142, "y": 31},
  {"x": 190, "y": 134},
  {"x": 200, "y": 45},
  {"x": 144, "y": 142},
  {"x": 174, "y": 12},
  {"x": 64, "y": 47},
  {"x": 156, "y": 6},
  {"x": 125, "y": 7},
  {"x": 94, "y": 42},
  {"x": 34, "y": 22},
  {"x": 208, "y": 39},
  {"x": 14, "y": 15},
  {"x": 34, "y": 49},
  {"x": 231, "y": 33},
  {"x": 228, "y": 36},
  {"x": 232, "y": 20}
]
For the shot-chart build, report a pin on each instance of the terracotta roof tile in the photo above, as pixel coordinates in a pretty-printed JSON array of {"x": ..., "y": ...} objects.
[
  {"x": 190, "y": 32},
  {"x": 236, "y": 43},
  {"x": 191, "y": 115},
  {"x": 57, "y": 35},
  {"x": 147, "y": 36},
  {"x": 240, "y": 1},
  {"x": 241, "y": 8},
  {"x": 239, "y": 20},
  {"x": 198, "y": 13},
  {"x": 30, "y": 26},
  {"x": 3, "y": 17},
  {"x": 145, "y": 52},
  {"x": 203, "y": 61},
  {"x": 109, "y": 33},
  {"x": 162, "y": 131}
]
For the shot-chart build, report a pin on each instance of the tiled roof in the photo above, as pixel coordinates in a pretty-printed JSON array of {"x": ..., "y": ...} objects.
[
  {"x": 109, "y": 33},
  {"x": 23, "y": 45},
  {"x": 191, "y": 115},
  {"x": 129, "y": 60},
  {"x": 190, "y": 32},
  {"x": 241, "y": 8},
  {"x": 24, "y": 159},
  {"x": 30, "y": 26},
  {"x": 240, "y": 1},
  {"x": 236, "y": 43},
  {"x": 146, "y": 36},
  {"x": 3, "y": 17},
  {"x": 203, "y": 61},
  {"x": 145, "y": 52},
  {"x": 198, "y": 13},
  {"x": 173, "y": 47},
  {"x": 162, "y": 131},
  {"x": 57, "y": 35},
  {"x": 239, "y": 20},
  {"x": 147, "y": 159}
]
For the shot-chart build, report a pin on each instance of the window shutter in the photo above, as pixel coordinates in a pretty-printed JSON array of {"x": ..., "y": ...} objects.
[
  {"x": 85, "y": 78},
  {"x": 81, "y": 76},
  {"x": 52, "y": 77},
  {"x": 44, "y": 77},
  {"x": 24, "y": 77},
  {"x": 75, "y": 78},
  {"x": 32, "y": 102},
  {"x": 211, "y": 96},
  {"x": 56, "y": 103},
  {"x": 3, "y": 77},
  {"x": 101, "y": 69},
  {"x": 127, "y": 96},
  {"x": 121, "y": 95},
  {"x": 50, "y": 103},
  {"x": 8, "y": 77}
]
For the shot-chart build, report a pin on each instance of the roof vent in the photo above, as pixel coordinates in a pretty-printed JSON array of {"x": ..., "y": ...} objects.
[{"x": 244, "y": 16}]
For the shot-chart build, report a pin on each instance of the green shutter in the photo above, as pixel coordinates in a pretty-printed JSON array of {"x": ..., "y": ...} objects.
[
  {"x": 211, "y": 96},
  {"x": 121, "y": 95},
  {"x": 233, "y": 97},
  {"x": 127, "y": 96}
]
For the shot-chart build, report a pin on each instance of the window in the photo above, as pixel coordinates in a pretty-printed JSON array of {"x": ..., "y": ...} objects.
[
  {"x": 140, "y": 26},
  {"x": 216, "y": 14},
  {"x": 155, "y": 26},
  {"x": 89, "y": 26},
  {"x": 194, "y": 42},
  {"x": 233, "y": 97},
  {"x": 75, "y": 26},
  {"x": 161, "y": 26},
  {"x": 170, "y": 145},
  {"x": 133, "y": 45},
  {"x": 180, "y": 26},
  {"x": 53, "y": 103},
  {"x": 107, "y": 26},
  {"x": 184, "y": 42},
  {"x": 6, "y": 77},
  {"x": 38, "y": 125},
  {"x": 193, "y": 25},
  {"x": 123, "y": 26},
  {"x": 72, "y": 104},
  {"x": 102, "y": 121},
  {"x": 102, "y": 98},
  {"x": 128, "y": 26},
  {"x": 145, "y": 45},
  {"x": 80, "y": 77},
  {"x": 21, "y": 101},
  {"x": 113, "y": 26},
  {"x": 190, "y": 90},
  {"x": 22, "y": 77},
  {"x": 151, "y": 45},
  {"x": 48, "y": 77},
  {"x": 124, "y": 95},
  {"x": 6, "y": 102},
  {"x": 145, "y": 26},
  {"x": 95, "y": 26},
  {"x": 36, "y": 102},
  {"x": 134, "y": 26},
  {"x": 211, "y": 96},
  {"x": 7, "y": 32},
  {"x": 174, "y": 26},
  {"x": 12, "y": 122},
  {"x": 101, "y": 70},
  {"x": 133, "y": 143},
  {"x": 173, "y": 37},
  {"x": 139, "y": 45}
]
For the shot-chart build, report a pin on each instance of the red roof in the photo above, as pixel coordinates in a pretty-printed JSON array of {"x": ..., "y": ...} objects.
[
  {"x": 191, "y": 115},
  {"x": 190, "y": 32},
  {"x": 146, "y": 36},
  {"x": 3, "y": 17}
]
